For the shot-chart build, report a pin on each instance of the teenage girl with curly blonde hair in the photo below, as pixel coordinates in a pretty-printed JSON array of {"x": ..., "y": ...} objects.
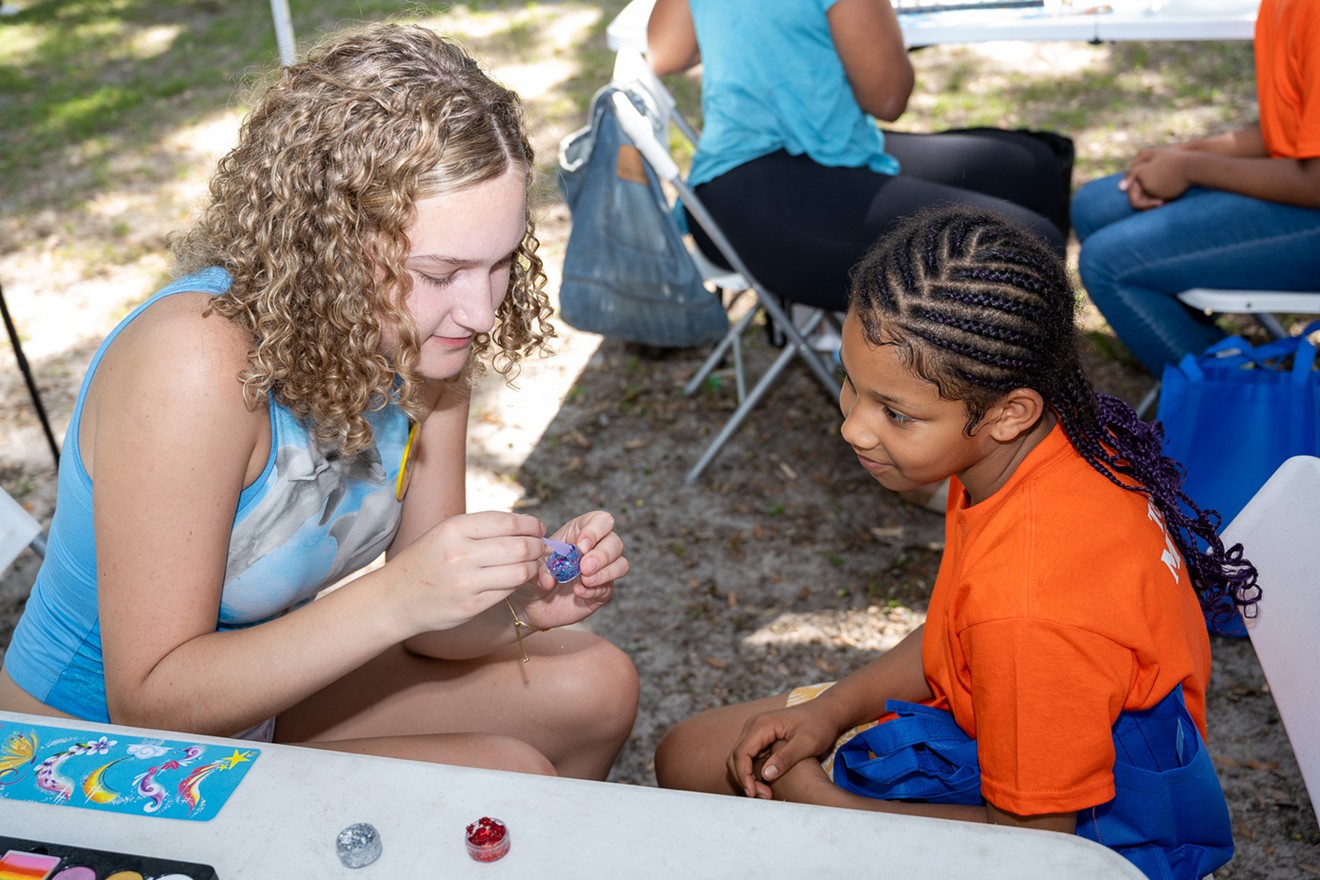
[{"x": 296, "y": 404}]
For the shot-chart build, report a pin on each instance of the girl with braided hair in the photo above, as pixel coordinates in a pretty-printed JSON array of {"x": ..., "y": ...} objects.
[
  {"x": 1066, "y": 621},
  {"x": 294, "y": 407}
]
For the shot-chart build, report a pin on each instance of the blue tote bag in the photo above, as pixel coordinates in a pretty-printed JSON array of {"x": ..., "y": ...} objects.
[
  {"x": 1233, "y": 414},
  {"x": 1168, "y": 816},
  {"x": 627, "y": 272}
]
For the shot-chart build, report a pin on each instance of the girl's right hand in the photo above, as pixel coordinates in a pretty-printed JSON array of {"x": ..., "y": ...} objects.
[
  {"x": 777, "y": 741},
  {"x": 464, "y": 565}
]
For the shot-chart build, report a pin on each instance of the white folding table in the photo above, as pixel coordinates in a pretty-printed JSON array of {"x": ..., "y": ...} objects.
[
  {"x": 283, "y": 818},
  {"x": 1079, "y": 20}
]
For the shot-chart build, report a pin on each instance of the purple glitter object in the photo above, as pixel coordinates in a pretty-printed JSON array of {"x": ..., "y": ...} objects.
[{"x": 564, "y": 560}]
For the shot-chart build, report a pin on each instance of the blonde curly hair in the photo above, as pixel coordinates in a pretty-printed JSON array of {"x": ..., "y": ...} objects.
[{"x": 308, "y": 215}]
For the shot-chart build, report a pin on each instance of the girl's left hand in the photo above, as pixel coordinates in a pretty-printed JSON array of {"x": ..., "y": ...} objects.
[
  {"x": 602, "y": 564},
  {"x": 773, "y": 744},
  {"x": 806, "y": 782},
  {"x": 1155, "y": 176}
]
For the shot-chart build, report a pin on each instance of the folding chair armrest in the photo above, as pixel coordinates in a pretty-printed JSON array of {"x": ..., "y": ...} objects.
[
  {"x": 1251, "y": 301},
  {"x": 18, "y": 530}
]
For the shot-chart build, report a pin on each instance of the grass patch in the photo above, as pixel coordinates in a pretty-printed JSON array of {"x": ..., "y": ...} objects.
[
  {"x": 86, "y": 82},
  {"x": 112, "y": 111}
]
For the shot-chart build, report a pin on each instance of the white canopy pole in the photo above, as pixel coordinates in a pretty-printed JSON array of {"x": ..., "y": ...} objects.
[{"x": 279, "y": 10}]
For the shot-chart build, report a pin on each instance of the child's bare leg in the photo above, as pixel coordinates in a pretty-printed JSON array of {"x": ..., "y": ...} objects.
[
  {"x": 693, "y": 755},
  {"x": 569, "y": 710},
  {"x": 488, "y": 751}
]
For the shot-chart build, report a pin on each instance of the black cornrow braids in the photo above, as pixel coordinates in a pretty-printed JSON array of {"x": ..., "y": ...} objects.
[{"x": 978, "y": 306}]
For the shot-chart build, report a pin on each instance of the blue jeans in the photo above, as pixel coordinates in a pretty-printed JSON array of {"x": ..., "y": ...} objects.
[{"x": 1135, "y": 263}]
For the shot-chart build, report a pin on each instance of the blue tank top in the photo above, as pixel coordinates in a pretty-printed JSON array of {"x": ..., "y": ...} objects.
[
  {"x": 310, "y": 518},
  {"x": 772, "y": 79}
]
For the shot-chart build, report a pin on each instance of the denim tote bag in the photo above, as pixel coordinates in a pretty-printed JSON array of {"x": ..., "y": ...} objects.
[
  {"x": 627, "y": 273},
  {"x": 1168, "y": 816}
]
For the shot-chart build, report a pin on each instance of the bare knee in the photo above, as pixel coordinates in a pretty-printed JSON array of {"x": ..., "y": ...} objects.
[
  {"x": 600, "y": 692},
  {"x": 615, "y": 692},
  {"x": 488, "y": 751},
  {"x": 588, "y": 704},
  {"x": 694, "y": 754},
  {"x": 508, "y": 753},
  {"x": 675, "y": 755}
]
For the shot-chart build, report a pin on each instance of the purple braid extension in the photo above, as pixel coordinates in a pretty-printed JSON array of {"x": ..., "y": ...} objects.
[
  {"x": 978, "y": 306},
  {"x": 1234, "y": 579}
]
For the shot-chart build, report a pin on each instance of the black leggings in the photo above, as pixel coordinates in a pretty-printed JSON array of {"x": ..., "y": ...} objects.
[{"x": 800, "y": 227}]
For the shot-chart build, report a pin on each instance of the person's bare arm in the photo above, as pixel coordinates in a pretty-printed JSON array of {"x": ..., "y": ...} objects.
[
  {"x": 1245, "y": 142},
  {"x": 170, "y": 444},
  {"x": 870, "y": 43},
  {"x": 1236, "y": 162},
  {"x": 772, "y": 761},
  {"x": 437, "y": 466},
  {"x": 774, "y": 744},
  {"x": 671, "y": 37},
  {"x": 807, "y": 783},
  {"x": 1286, "y": 181},
  {"x": 436, "y": 501}
]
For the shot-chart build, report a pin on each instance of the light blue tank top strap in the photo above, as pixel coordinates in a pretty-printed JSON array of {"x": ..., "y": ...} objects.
[{"x": 310, "y": 518}]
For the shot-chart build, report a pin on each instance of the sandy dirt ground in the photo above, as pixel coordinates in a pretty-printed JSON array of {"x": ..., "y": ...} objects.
[{"x": 786, "y": 564}]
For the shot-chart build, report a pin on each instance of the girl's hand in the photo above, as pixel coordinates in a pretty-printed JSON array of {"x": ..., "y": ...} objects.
[
  {"x": 464, "y": 565},
  {"x": 773, "y": 743},
  {"x": 602, "y": 564},
  {"x": 1155, "y": 176},
  {"x": 805, "y": 783}
]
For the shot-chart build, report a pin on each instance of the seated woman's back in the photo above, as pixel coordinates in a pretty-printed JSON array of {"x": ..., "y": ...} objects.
[{"x": 772, "y": 78}]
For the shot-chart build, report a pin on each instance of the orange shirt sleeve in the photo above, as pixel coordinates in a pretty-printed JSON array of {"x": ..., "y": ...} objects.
[
  {"x": 1287, "y": 43},
  {"x": 1045, "y": 698}
]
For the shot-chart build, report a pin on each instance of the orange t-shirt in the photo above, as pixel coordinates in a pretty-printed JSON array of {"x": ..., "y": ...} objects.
[
  {"x": 1059, "y": 603},
  {"x": 1287, "y": 46}
]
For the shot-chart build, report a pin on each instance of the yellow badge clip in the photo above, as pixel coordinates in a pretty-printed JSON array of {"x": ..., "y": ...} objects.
[{"x": 405, "y": 463}]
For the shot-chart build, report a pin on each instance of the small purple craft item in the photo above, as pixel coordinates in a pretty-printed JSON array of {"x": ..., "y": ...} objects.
[{"x": 564, "y": 560}]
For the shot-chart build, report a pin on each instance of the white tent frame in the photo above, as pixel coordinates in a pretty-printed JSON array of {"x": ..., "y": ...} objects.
[{"x": 279, "y": 10}]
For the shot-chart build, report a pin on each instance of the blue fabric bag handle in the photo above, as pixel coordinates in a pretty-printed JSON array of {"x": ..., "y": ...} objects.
[
  {"x": 1168, "y": 816},
  {"x": 921, "y": 755},
  {"x": 1234, "y": 359},
  {"x": 1235, "y": 353},
  {"x": 1266, "y": 351},
  {"x": 1231, "y": 416}
]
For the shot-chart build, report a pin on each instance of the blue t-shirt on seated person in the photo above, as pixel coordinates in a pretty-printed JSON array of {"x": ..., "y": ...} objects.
[{"x": 772, "y": 80}]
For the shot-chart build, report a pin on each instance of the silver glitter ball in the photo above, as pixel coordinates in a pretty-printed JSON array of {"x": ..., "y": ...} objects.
[{"x": 358, "y": 845}]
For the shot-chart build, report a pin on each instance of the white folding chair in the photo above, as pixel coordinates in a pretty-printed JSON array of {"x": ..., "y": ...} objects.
[
  {"x": 1263, "y": 305},
  {"x": 18, "y": 531},
  {"x": 646, "y": 120},
  {"x": 1278, "y": 530}
]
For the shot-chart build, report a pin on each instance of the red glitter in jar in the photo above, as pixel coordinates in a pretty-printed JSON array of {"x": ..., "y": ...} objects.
[{"x": 487, "y": 839}]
